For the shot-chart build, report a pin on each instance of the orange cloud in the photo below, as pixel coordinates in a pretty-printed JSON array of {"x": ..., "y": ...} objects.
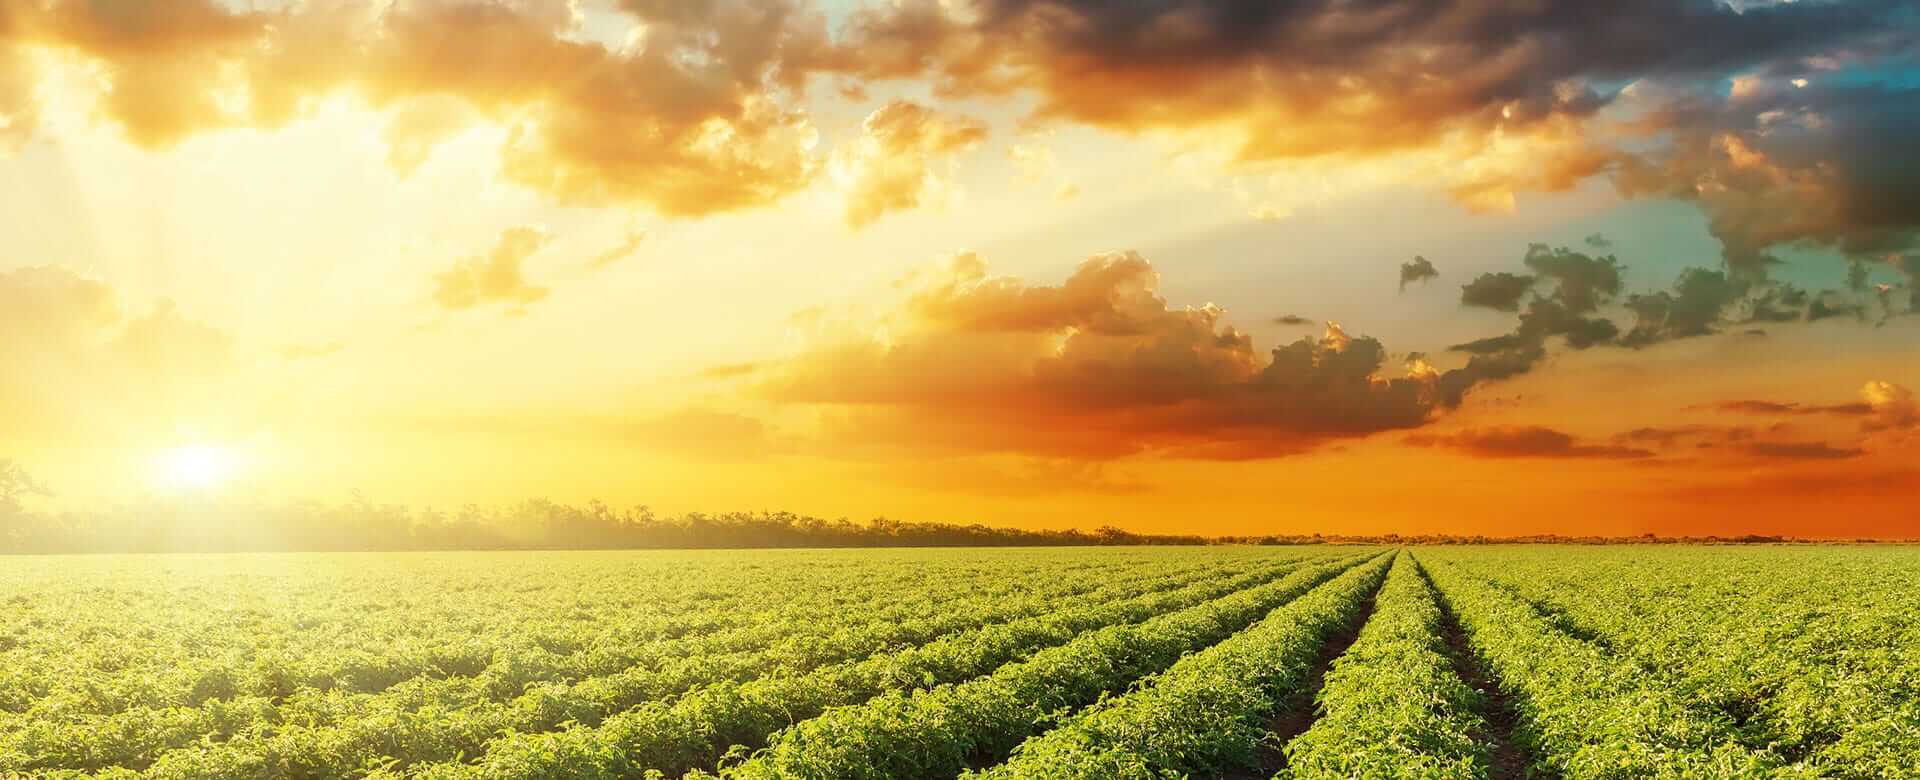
[
  {"x": 1894, "y": 407},
  {"x": 494, "y": 277},
  {"x": 1099, "y": 366},
  {"x": 1530, "y": 441},
  {"x": 890, "y": 167},
  {"x": 688, "y": 120}
]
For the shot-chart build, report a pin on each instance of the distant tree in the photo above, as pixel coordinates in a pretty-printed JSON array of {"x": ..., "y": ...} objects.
[{"x": 15, "y": 485}]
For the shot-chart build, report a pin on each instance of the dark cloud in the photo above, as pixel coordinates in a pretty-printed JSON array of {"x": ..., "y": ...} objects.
[
  {"x": 1577, "y": 285},
  {"x": 1291, "y": 319},
  {"x": 1416, "y": 270},
  {"x": 1802, "y": 450},
  {"x": 1099, "y": 366},
  {"x": 1500, "y": 291},
  {"x": 1597, "y": 241},
  {"x": 1698, "y": 436},
  {"x": 1292, "y": 75},
  {"x": 1570, "y": 295},
  {"x": 1581, "y": 282},
  {"x": 1693, "y": 308},
  {"x": 1778, "y": 408},
  {"x": 1826, "y": 307},
  {"x": 1525, "y": 442},
  {"x": 1801, "y": 158}
]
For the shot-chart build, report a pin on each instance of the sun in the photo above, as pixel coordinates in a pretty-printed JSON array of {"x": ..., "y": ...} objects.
[{"x": 197, "y": 466}]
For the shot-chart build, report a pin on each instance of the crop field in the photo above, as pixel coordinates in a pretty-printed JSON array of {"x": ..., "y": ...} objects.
[{"x": 1135, "y": 662}]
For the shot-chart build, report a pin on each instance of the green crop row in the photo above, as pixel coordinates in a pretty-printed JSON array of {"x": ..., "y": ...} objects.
[
  {"x": 1823, "y": 665},
  {"x": 1206, "y": 714},
  {"x": 939, "y": 732},
  {"x": 700, "y": 727},
  {"x": 1393, "y": 705},
  {"x": 138, "y": 734},
  {"x": 698, "y": 724},
  {"x": 1585, "y": 713},
  {"x": 180, "y": 655}
]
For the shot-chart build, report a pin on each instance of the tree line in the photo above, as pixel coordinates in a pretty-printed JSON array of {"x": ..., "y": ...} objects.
[{"x": 191, "y": 525}]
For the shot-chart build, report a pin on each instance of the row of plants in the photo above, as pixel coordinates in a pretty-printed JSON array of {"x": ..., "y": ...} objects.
[
  {"x": 941, "y": 731},
  {"x": 1582, "y": 711},
  {"x": 1393, "y": 705},
  {"x": 642, "y": 715},
  {"x": 1206, "y": 715}
]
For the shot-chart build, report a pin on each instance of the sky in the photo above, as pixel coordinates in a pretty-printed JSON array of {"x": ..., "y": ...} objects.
[{"x": 1191, "y": 266}]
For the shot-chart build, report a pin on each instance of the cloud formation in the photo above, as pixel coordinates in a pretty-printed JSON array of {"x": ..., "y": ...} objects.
[
  {"x": 688, "y": 118},
  {"x": 1894, "y": 406},
  {"x": 1791, "y": 157},
  {"x": 1499, "y": 291},
  {"x": 698, "y": 108},
  {"x": 891, "y": 166},
  {"x": 1417, "y": 270},
  {"x": 1099, "y": 366},
  {"x": 621, "y": 251},
  {"x": 1526, "y": 441},
  {"x": 1474, "y": 82},
  {"x": 1882, "y": 406},
  {"x": 494, "y": 277}
]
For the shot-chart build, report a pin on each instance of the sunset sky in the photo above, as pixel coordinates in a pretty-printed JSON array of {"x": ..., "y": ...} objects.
[{"x": 1199, "y": 266}]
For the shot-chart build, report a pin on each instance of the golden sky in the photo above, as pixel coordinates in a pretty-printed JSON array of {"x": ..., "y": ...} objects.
[{"x": 1183, "y": 265}]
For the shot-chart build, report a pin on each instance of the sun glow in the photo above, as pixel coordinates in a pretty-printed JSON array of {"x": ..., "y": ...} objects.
[{"x": 196, "y": 466}]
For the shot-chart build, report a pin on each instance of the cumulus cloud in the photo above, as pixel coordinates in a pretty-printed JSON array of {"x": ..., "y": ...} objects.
[
  {"x": 1099, "y": 366},
  {"x": 1893, "y": 406},
  {"x": 690, "y": 118},
  {"x": 1776, "y": 163},
  {"x": 1416, "y": 270},
  {"x": 494, "y": 277},
  {"x": 699, "y": 109},
  {"x": 1528, "y": 441},
  {"x": 891, "y": 167},
  {"x": 1500, "y": 291},
  {"x": 1317, "y": 79}
]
